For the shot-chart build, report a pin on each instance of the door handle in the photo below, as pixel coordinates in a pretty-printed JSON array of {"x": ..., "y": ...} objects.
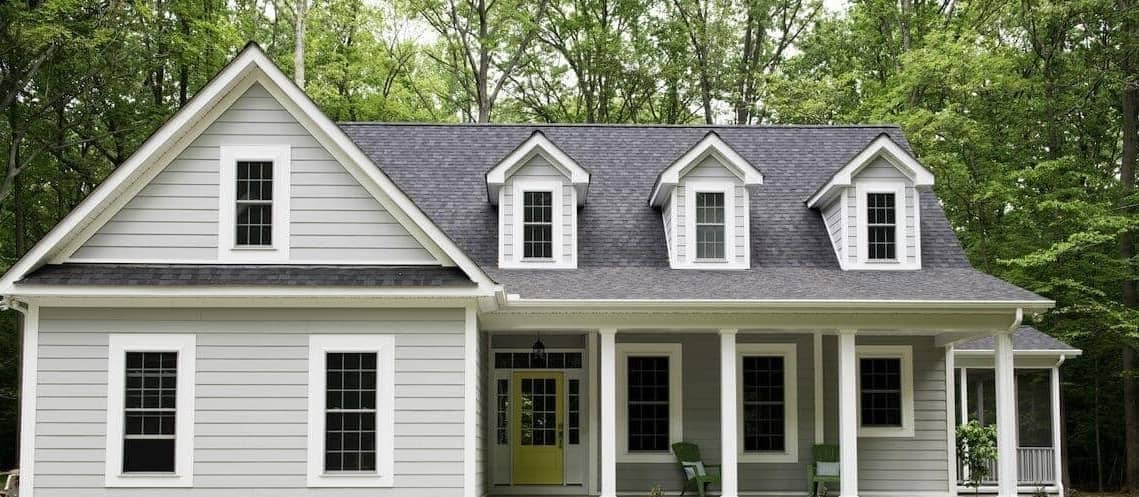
[{"x": 561, "y": 434}]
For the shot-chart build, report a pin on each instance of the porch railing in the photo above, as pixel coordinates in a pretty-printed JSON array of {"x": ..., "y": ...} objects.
[{"x": 1035, "y": 466}]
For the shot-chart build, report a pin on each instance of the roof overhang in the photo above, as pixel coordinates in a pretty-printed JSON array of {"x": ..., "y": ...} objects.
[
  {"x": 882, "y": 147},
  {"x": 537, "y": 146},
  {"x": 250, "y": 66},
  {"x": 710, "y": 146}
]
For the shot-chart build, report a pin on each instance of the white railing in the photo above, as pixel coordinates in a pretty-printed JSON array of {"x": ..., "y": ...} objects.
[{"x": 1035, "y": 466}]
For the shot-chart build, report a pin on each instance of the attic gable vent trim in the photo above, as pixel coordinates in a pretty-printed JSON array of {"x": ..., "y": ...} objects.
[
  {"x": 711, "y": 146},
  {"x": 536, "y": 145},
  {"x": 882, "y": 146}
]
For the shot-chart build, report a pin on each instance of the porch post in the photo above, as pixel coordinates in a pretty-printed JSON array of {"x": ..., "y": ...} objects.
[
  {"x": 608, "y": 412},
  {"x": 1057, "y": 460},
  {"x": 847, "y": 414},
  {"x": 729, "y": 486},
  {"x": 1006, "y": 416}
]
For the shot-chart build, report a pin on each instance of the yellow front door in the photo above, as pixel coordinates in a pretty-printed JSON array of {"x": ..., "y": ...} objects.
[{"x": 538, "y": 415}]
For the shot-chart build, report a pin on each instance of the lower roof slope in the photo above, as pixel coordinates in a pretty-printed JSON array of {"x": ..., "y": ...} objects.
[
  {"x": 621, "y": 248},
  {"x": 1025, "y": 338},
  {"x": 247, "y": 275}
]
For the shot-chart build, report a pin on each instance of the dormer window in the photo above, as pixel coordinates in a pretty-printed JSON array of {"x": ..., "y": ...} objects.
[
  {"x": 537, "y": 225},
  {"x": 704, "y": 199},
  {"x": 538, "y": 189},
  {"x": 871, "y": 208},
  {"x": 881, "y": 227}
]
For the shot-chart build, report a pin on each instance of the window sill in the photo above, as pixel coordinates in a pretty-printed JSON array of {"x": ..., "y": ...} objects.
[
  {"x": 885, "y": 432},
  {"x": 148, "y": 480},
  {"x": 254, "y": 248},
  {"x": 768, "y": 457},
  {"x": 351, "y": 480},
  {"x": 633, "y": 457}
]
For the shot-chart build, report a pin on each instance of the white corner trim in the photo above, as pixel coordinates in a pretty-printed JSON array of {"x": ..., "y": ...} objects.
[
  {"x": 711, "y": 145},
  {"x": 537, "y": 145},
  {"x": 471, "y": 403},
  {"x": 119, "y": 345},
  {"x": 675, "y": 398},
  {"x": 789, "y": 353},
  {"x": 901, "y": 250},
  {"x": 29, "y": 380},
  {"x": 883, "y": 147},
  {"x": 731, "y": 231},
  {"x": 904, "y": 353},
  {"x": 319, "y": 347},
  {"x": 560, "y": 259},
  {"x": 281, "y": 157},
  {"x": 819, "y": 404},
  {"x": 951, "y": 419}
]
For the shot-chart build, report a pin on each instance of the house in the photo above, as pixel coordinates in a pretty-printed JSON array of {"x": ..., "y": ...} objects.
[{"x": 263, "y": 302}]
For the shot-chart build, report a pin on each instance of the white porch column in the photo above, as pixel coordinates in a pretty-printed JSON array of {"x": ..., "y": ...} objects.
[
  {"x": 608, "y": 412},
  {"x": 848, "y": 414},
  {"x": 1056, "y": 432},
  {"x": 1006, "y": 416},
  {"x": 729, "y": 486}
]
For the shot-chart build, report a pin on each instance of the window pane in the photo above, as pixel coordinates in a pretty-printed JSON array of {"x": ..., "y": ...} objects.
[
  {"x": 709, "y": 225},
  {"x": 537, "y": 225},
  {"x": 648, "y": 417},
  {"x": 254, "y": 209},
  {"x": 1034, "y": 407},
  {"x": 574, "y": 410},
  {"x": 881, "y": 226},
  {"x": 763, "y": 408},
  {"x": 350, "y": 417},
  {"x": 150, "y": 411},
  {"x": 881, "y": 381}
]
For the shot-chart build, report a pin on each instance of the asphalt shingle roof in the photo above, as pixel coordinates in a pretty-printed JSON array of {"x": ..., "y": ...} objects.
[
  {"x": 243, "y": 275},
  {"x": 1024, "y": 338},
  {"x": 621, "y": 246}
]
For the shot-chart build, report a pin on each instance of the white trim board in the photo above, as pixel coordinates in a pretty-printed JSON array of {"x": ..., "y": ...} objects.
[
  {"x": 905, "y": 354},
  {"x": 882, "y": 146},
  {"x": 119, "y": 345},
  {"x": 901, "y": 251},
  {"x": 728, "y": 189},
  {"x": 281, "y": 158},
  {"x": 675, "y": 398},
  {"x": 248, "y": 67},
  {"x": 28, "y": 394},
  {"x": 710, "y": 146},
  {"x": 384, "y": 348},
  {"x": 537, "y": 145},
  {"x": 557, "y": 260}
]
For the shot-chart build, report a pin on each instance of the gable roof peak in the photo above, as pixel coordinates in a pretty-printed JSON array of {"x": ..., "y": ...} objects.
[
  {"x": 537, "y": 145},
  {"x": 711, "y": 145},
  {"x": 881, "y": 146}
]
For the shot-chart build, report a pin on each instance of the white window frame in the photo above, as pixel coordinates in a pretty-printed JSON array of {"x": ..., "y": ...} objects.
[
  {"x": 675, "y": 395},
  {"x": 384, "y": 348},
  {"x": 905, "y": 353},
  {"x": 731, "y": 231},
  {"x": 518, "y": 189},
  {"x": 901, "y": 249},
  {"x": 119, "y": 345},
  {"x": 789, "y": 353},
  {"x": 281, "y": 157}
]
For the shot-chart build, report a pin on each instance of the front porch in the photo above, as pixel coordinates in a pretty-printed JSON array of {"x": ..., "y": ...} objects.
[{"x": 758, "y": 415}]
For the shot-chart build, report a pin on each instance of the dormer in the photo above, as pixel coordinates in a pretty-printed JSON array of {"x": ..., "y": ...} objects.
[
  {"x": 871, "y": 208},
  {"x": 538, "y": 189},
  {"x": 705, "y": 198}
]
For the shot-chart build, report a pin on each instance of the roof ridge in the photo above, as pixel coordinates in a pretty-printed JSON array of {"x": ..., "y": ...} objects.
[{"x": 617, "y": 125}]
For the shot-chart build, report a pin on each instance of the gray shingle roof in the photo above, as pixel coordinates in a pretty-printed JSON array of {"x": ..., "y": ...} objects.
[
  {"x": 242, "y": 275},
  {"x": 622, "y": 251},
  {"x": 1024, "y": 338}
]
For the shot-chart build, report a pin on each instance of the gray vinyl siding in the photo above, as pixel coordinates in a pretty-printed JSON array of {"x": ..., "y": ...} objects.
[
  {"x": 251, "y": 398},
  {"x": 701, "y": 416},
  {"x": 538, "y": 168},
  {"x": 175, "y": 217},
  {"x": 917, "y": 464},
  {"x": 880, "y": 170},
  {"x": 669, "y": 230},
  {"x": 832, "y": 218},
  {"x": 711, "y": 169}
]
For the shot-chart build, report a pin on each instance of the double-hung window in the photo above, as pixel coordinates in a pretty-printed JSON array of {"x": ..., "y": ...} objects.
[
  {"x": 881, "y": 226},
  {"x": 253, "y": 219},
  {"x": 150, "y": 411},
  {"x": 351, "y": 399},
  {"x": 537, "y": 224},
  {"x": 767, "y": 403},
  {"x": 648, "y": 395},
  {"x": 710, "y": 229},
  {"x": 885, "y": 396}
]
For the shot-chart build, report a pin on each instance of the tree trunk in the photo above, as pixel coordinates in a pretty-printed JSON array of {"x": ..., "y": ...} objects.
[
  {"x": 1130, "y": 131},
  {"x": 299, "y": 44}
]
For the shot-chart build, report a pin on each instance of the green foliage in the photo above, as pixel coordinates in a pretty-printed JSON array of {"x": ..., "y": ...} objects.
[{"x": 976, "y": 448}]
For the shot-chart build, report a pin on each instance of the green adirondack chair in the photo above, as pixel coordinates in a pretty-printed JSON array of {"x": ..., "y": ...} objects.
[
  {"x": 828, "y": 455},
  {"x": 696, "y": 473}
]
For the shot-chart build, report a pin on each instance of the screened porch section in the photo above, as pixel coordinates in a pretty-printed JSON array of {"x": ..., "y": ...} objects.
[{"x": 1037, "y": 459}]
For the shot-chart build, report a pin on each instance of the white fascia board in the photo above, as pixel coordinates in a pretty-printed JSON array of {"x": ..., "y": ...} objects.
[
  {"x": 997, "y": 306},
  {"x": 712, "y": 145},
  {"x": 1023, "y": 353},
  {"x": 251, "y": 65},
  {"x": 207, "y": 291},
  {"x": 537, "y": 144},
  {"x": 883, "y": 147}
]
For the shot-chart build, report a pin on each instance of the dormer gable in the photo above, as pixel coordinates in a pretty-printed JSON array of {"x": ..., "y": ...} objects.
[
  {"x": 705, "y": 197},
  {"x": 872, "y": 210},
  {"x": 537, "y": 189}
]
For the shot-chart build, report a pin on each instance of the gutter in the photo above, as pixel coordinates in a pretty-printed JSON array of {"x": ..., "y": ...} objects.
[{"x": 516, "y": 302}]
